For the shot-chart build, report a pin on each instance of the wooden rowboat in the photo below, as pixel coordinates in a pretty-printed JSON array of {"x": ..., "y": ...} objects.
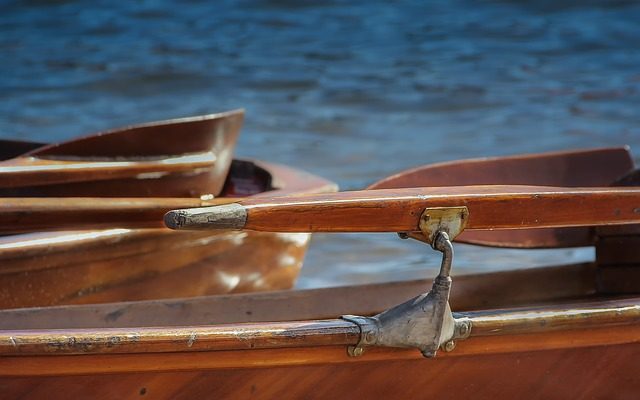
[
  {"x": 558, "y": 332},
  {"x": 187, "y": 162},
  {"x": 186, "y": 157}
]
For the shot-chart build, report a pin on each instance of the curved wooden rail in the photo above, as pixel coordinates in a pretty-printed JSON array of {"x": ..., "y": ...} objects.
[
  {"x": 185, "y": 157},
  {"x": 399, "y": 210},
  {"x": 31, "y": 171}
]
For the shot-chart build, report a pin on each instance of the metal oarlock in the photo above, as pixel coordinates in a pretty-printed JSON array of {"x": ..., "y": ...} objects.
[{"x": 426, "y": 321}]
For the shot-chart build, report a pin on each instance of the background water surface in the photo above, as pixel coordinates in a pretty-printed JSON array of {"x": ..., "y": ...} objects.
[{"x": 352, "y": 91}]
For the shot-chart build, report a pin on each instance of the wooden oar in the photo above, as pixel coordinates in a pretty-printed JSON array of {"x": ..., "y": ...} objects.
[
  {"x": 399, "y": 210},
  {"x": 37, "y": 214},
  {"x": 576, "y": 168}
]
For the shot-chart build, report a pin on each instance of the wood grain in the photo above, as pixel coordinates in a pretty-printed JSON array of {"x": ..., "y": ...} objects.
[
  {"x": 551, "y": 374},
  {"x": 25, "y": 214},
  {"x": 602, "y": 314},
  {"x": 186, "y": 157},
  {"x": 304, "y": 342},
  {"x": 399, "y": 210},
  {"x": 120, "y": 264},
  {"x": 576, "y": 168},
  {"x": 469, "y": 292}
]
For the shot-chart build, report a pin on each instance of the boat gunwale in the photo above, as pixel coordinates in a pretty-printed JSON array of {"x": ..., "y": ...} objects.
[{"x": 310, "y": 333}]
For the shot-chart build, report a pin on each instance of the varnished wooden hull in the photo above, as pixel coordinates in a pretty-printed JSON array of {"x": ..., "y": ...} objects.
[
  {"x": 609, "y": 372},
  {"x": 587, "y": 346},
  {"x": 553, "y": 333},
  {"x": 52, "y": 268}
]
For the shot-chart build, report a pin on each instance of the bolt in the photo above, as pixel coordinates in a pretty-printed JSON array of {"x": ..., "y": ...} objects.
[
  {"x": 449, "y": 346},
  {"x": 355, "y": 351},
  {"x": 464, "y": 329},
  {"x": 429, "y": 354},
  {"x": 369, "y": 337}
]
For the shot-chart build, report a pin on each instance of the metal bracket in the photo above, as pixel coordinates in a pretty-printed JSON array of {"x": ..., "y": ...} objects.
[
  {"x": 426, "y": 321},
  {"x": 450, "y": 220}
]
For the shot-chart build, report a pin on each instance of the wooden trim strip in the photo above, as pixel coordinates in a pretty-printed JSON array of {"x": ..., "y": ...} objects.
[
  {"x": 546, "y": 319},
  {"x": 163, "y": 339},
  {"x": 35, "y": 365},
  {"x": 31, "y": 171},
  {"x": 305, "y": 334}
]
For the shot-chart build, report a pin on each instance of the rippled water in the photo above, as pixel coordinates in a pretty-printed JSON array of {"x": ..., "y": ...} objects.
[{"x": 353, "y": 92}]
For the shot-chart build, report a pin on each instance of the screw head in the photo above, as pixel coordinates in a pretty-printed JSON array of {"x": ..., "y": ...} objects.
[
  {"x": 368, "y": 338},
  {"x": 429, "y": 354},
  {"x": 355, "y": 351},
  {"x": 464, "y": 329},
  {"x": 449, "y": 346}
]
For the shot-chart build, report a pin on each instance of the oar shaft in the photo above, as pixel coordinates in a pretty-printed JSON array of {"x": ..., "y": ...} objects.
[
  {"x": 30, "y": 214},
  {"x": 399, "y": 210}
]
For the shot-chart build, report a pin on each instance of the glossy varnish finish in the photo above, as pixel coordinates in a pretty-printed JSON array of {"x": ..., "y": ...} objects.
[
  {"x": 25, "y": 214},
  {"x": 185, "y": 157},
  {"x": 543, "y": 346},
  {"x": 119, "y": 264},
  {"x": 540, "y": 374},
  {"x": 399, "y": 210},
  {"x": 539, "y": 345},
  {"x": 581, "y": 168}
]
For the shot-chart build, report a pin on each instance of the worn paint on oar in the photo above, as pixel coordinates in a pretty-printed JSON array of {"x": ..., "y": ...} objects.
[{"x": 399, "y": 210}]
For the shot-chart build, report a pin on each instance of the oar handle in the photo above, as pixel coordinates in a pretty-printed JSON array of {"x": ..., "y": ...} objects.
[
  {"x": 63, "y": 213},
  {"x": 399, "y": 210}
]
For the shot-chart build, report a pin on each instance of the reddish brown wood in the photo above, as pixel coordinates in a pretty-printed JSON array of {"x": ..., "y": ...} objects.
[
  {"x": 555, "y": 322},
  {"x": 25, "y": 214},
  {"x": 41, "y": 269},
  {"x": 541, "y": 374},
  {"x": 544, "y": 347},
  {"x": 483, "y": 291},
  {"x": 582, "y": 168},
  {"x": 30, "y": 171},
  {"x": 185, "y": 157},
  {"x": 618, "y": 250},
  {"x": 399, "y": 210}
]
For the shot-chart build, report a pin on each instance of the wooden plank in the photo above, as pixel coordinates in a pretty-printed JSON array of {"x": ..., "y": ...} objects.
[
  {"x": 516, "y": 345},
  {"x": 185, "y": 157}
]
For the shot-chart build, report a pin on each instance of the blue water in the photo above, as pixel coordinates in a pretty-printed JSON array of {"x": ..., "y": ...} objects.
[{"x": 351, "y": 91}]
